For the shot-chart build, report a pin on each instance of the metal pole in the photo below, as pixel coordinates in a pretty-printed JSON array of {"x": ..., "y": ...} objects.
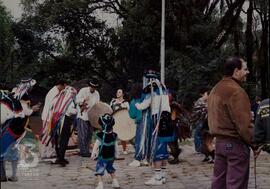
[{"x": 162, "y": 44}]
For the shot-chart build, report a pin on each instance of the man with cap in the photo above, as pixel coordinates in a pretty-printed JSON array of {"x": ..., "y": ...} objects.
[
  {"x": 86, "y": 99},
  {"x": 49, "y": 151}
]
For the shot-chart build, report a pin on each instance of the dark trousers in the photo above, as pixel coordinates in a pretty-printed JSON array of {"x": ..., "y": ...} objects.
[
  {"x": 61, "y": 142},
  {"x": 174, "y": 147},
  {"x": 84, "y": 135},
  {"x": 2, "y": 168},
  {"x": 231, "y": 168}
]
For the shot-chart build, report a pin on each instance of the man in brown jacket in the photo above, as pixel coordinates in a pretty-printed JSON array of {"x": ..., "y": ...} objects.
[{"x": 229, "y": 119}]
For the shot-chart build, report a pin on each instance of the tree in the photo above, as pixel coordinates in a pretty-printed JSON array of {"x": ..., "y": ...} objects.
[{"x": 6, "y": 45}]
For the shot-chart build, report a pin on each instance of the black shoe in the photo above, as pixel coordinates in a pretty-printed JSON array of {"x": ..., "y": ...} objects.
[
  {"x": 66, "y": 161},
  {"x": 62, "y": 163},
  {"x": 3, "y": 179},
  {"x": 206, "y": 159},
  {"x": 13, "y": 179},
  {"x": 174, "y": 161},
  {"x": 86, "y": 155}
]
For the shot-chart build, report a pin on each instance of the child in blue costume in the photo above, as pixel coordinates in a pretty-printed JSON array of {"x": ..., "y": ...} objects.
[{"x": 105, "y": 150}]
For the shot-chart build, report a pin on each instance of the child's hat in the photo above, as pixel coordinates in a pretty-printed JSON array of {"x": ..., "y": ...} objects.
[{"x": 106, "y": 121}]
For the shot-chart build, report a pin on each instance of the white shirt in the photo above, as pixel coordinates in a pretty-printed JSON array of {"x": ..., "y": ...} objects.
[
  {"x": 48, "y": 100},
  {"x": 157, "y": 103},
  {"x": 85, "y": 96}
]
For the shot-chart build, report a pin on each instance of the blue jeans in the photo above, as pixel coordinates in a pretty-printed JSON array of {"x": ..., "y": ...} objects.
[
  {"x": 138, "y": 137},
  {"x": 198, "y": 137},
  {"x": 161, "y": 151}
]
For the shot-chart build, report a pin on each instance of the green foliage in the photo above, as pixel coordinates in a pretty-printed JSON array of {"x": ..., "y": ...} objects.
[
  {"x": 6, "y": 44},
  {"x": 66, "y": 39}
]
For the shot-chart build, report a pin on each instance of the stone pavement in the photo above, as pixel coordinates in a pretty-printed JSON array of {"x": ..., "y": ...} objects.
[{"x": 191, "y": 173}]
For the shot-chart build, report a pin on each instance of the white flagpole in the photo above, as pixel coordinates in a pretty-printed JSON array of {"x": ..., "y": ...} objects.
[{"x": 162, "y": 44}]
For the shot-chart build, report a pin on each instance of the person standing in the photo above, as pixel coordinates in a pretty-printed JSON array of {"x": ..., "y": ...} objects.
[
  {"x": 86, "y": 99},
  {"x": 105, "y": 150},
  {"x": 229, "y": 119},
  {"x": 119, "y": 103},
  {"x": 64, "y": 130},
  {"x": 49, "y": 151},
  {"x": 136, "y": 114},
  {"x": 262, "y": 126},
  {"x": 159, "y": 126},
  {"x": 17, "y": 127}
]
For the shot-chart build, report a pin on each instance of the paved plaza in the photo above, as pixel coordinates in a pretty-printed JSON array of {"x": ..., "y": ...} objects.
[{"x": 79, "y": 174}]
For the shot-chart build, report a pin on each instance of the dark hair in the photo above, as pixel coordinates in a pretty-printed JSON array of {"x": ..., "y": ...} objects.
[
  {"x": 136, "y": 90},
  {"x": 61, "y": 82},
  {"x": 230, "y": 65},
  {"x": 203, "y": 89}
]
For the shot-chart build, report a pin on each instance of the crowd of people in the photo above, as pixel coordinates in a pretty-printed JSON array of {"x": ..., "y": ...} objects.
[{"x": 221, "y": 119}]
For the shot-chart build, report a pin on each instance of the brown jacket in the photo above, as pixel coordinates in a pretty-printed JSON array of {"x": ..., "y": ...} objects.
[{"x": 229, "y": 112}]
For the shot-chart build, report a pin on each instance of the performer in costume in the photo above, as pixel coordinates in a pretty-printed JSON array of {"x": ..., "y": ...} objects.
[
  {"x": 105, "y": 150},
  {"x": 119, "y": 103},
  {"x": 262, "y": 126},
  {"x": 158, "y": 125},
  {"x": 182, "y": 129},
  {"x": 86, "y": 99},
  {"x": 49, "y": 151},
  {"x": 58, "y": 129},
  {"x": 64, "y": 132},
  {"x": 202, "y": 138},
  {"x": 12, "y": 131}
]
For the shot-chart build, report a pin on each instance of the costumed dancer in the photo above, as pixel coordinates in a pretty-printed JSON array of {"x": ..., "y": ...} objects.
[
  {"x": 119, "y": 103},
  {"x": 49, "y": 151},
  {"x": 262, "y": 126},
  {"x": 58, "y": 129},
  {"x": 182, "y": 129},
  {"x": 158, "y": 125},
  {"x": 13, "y": 130},
  {"x": 86, "y": 99},
  {"x": 203, "y": 140},
  {"x": 105, "y": 150}
]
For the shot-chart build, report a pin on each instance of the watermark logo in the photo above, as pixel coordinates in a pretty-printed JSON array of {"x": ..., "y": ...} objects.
[{"x": 26, "y": 154}]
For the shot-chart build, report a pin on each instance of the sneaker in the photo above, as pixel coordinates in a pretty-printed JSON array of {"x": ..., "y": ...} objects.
[
  {"x": 115, "y": 183},
  {"x": 13, "y": 179},
  {"x": 100, "y": 185},
  {"x": 125, "y": 152},
  {"x": 135, "y": 163},
  {"x": 154, "y": 181},
  {"x": 144, "y": 162}
]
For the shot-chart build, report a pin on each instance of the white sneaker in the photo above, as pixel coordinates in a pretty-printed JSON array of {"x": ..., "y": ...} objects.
[
  {"x": 154, "y": 181},
  {"x": 100, "y": 185},
  {"x": 125, "y": 152},
  {"x": 115, "y": 183},
  {"x": 144, "y": 162},
  {"x": 163, "y": 177},
  {"x": 135, "y": 163}
]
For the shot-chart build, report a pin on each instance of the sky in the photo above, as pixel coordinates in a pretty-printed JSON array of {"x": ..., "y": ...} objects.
[{"x": 13, "y": 7}]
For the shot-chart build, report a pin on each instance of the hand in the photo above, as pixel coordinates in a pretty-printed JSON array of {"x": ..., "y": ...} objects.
[
  {"x": 93, "y": 156},
  {"x": 36, "y": 108},
  {"x": 86, "y": 99}
]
